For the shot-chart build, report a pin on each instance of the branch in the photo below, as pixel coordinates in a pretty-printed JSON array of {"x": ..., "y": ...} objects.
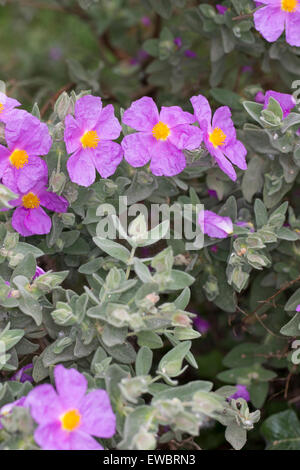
[{"x": 252, "y": 317}]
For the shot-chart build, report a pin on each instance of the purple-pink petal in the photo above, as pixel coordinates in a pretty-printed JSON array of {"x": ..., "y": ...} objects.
[
  {"x": 81, "y": 168},
  {"x": 202, "y": 110},
  {"x": 18, "y": 222},
  {"x": 236, "y": 152},
  {"x": 45, "y": 405},
  {"x": 215, "y": 225},
  {"x": 293, "y": 29},
  {"x": 241, "y": 392},
  {"x": 106, "y": 158},
  {"x": 137, "y": 148},
  {"x": 26, "y": 132},
  {"x": 52, "y": 201},
  {"x": 269, "y": 21},
  {"x": 287, "y": 102},
  {"x": 175, "y": 116},
  {"x": 88, "y": 110},
  {"x": 8, "y": 105},
  {"x": 108, "y": 126},
  {"x": 98, "y": 418},
  {"x": 142, "y": 115},
  {"x": 186, "y": 137},
  {"x": 222, "y": 119},
  {"x": 166, "y": 159},
  {"x": 224, "y": 164},
  {"x": 71, "y": 386},
  {"x": 73, "y": 133}
]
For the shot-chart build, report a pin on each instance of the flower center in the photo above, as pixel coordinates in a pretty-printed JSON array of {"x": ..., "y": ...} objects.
[
  {"x": 30, "y": 201},
  {"x": 161, "y": 131},
  {"x": 90, "y": 140},
  {"x": 70, "y": 420},
  {"x": 18, "y": 158},
  {"x": 217, "y": 137},
  {"x": 289, "y": 5},
  {"x": 1, "y": 107}
]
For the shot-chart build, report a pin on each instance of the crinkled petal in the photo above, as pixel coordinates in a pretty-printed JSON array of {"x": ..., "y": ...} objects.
[
  {"x": 72, "y": 134},
  {"x": 98, "y": 417},
  {"x": 35, "y": 171},
  {"x": 53, "y": 202},
  {"x": 8, "y": 105},
  {"x": 166, "y": 159},
  {"x": 18, "y": 222},
  {"x": 82, "y": 441},
  {"x": 224, "y": 164},
  {"x": 186, "y": 137},
  {"x": 222, "y": 120},
  {"x": 45, "y": 406},
  {"x": 202, "y": 110},
  {"x": 4, "y": 159},
  {"x": 70, "y": 385},
  {"x": 37, "y": 221},
  {"x": 106, "y": 157},
  {"x": 81, "y": 168},
  {"x": 293, "y": 29},
  {"x": 108, "y": 126},
  {"x": 175, "y": 116},
  {"x": 214, "y": 225},
  {"x": 287, "y": 102},
  {"x": 51, "y": 436},
  {"x": 137, "y": 148},
  {"x": 88, "y": 110},
  {"x": 236, "y": 153},
  {"x": 269, "y": 21},
  {"x": 142, "y": 115},
  {"x": 26, "y": 132}
]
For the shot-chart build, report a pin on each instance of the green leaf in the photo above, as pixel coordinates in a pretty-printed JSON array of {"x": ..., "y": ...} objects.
[
  {"x": 227, "y": 98},
  {"x": 143, "y": 361},
  {"x": 171, "y": 362},
  {"x": 112, "y": 248},
  {"x": 282, "y": 431}
]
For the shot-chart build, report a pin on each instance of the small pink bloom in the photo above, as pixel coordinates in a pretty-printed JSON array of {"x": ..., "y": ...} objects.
[
  {"x": 68, "y": 417},
  {"x": 6, "y": 106},
  {"x": 161, "y": 137},
  {"x": 214, "y": 225},
  {"x": 89, "y": 139},
  {"x": 220, "y": 136}
]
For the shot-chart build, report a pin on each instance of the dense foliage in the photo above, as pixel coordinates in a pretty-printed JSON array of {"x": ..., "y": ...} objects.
[{"x": 145, "y": 340}]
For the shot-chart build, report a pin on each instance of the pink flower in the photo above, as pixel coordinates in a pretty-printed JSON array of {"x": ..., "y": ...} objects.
[
  {"x": 161, "y": 137},
  {"x": 221, "y": 9},
  {"x": 287, "y": 102},
  {"x": 88, "y": 137},
  {"x": 201, "y": 324},
  {"x": 178, "y": 42},
  {"x": 29, "y": 218},
  {"x": 214, "y": 225},
  {"x": 38, "y": 272},
  {"x": 6, "y": 409},
  {"x": 298, "y": 308},
  {"x": 275, "y": 17},
  {"x": 190, "y": 54},
  {"x": 26, "y": 138},
  {"x": 241, "y": 392},
  {"x": 220, "y": 136},
  {"x": 22, "y": 376},
  {"x": 6, "y": 107},
  {"x": 68, "y": 417}
]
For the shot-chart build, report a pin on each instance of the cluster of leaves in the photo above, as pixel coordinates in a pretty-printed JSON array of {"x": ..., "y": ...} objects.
[{"x": 120, "y": 311}]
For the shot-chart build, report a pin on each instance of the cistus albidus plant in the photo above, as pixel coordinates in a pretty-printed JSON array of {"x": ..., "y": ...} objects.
[{"x": 150, "y": 221}]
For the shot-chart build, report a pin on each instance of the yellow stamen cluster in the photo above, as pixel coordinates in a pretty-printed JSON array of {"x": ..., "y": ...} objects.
[
  {"x": 90, "y": 140},
  {"x": 161, "y": 131},
  {"x": 289, "y": 5},
  {"x": 30, "y": 201},
  {"x": 217, "y": 137},
  {"x": 18, "y": 158},
  {"x": 1, "y": 107},
  {"x": 70, "y": 420}
]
